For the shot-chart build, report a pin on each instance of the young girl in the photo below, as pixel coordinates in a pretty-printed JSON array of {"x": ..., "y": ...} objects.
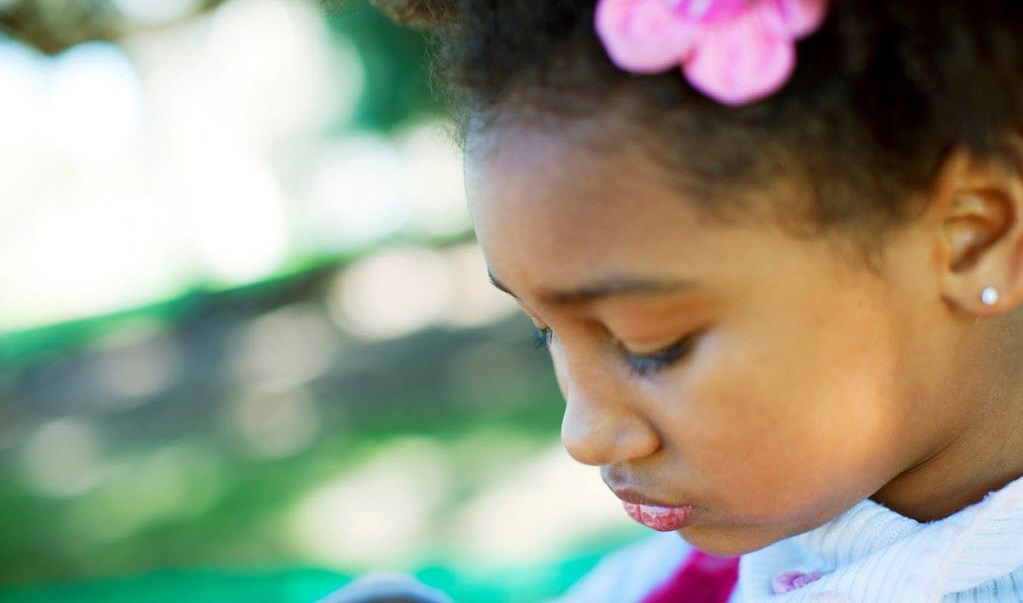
[{"x": 775, "y": 248}]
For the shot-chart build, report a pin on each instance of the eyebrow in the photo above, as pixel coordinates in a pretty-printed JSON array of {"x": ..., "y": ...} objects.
[{"x": 616, "y": 286}]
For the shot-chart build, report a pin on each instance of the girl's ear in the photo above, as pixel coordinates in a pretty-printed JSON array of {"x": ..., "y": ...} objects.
[{"x": 980, "y": 206}]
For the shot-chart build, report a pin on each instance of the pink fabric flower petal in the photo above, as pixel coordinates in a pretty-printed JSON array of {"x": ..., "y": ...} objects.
[
  {"x": 795, "y": 18},
  {"x": 644, "y": 36},
  {"x": 790, "y": 581},
  {"x": 741, "y": 60},
  {"x": 708, "y": 10}
]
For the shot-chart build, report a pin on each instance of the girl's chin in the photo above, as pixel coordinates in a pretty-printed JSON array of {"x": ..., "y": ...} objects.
[{"x": 723, "y": 540}]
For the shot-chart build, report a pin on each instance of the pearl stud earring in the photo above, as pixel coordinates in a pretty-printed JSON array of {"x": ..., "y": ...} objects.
[{"x": 989, "y": 296}]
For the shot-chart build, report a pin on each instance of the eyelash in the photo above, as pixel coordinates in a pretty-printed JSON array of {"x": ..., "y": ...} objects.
[
  {"x": 542, "y": 338},
  {"x": 640, "y": 365}
]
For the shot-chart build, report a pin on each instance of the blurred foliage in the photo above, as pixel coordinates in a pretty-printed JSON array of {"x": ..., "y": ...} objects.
[
  {"x": 296, "y": 586},
  {"x": 396, "y": 60},
  {"x": 53, "y": 26},
  {"x": 397, "y": 92},
  {"x": 242, "y": 521},
  {"x": 443, "y": 383}
]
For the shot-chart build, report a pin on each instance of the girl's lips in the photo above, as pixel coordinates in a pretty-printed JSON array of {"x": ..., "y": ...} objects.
[{"x": 662, "y": 519}]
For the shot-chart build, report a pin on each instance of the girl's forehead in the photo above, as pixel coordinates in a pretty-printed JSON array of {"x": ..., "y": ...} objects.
[
  {"x": 545, "y": 183},
  {"x": 552, "y": 171},
  {"x": 616, "y": 174},
  {"x": 548, "y": 212}
]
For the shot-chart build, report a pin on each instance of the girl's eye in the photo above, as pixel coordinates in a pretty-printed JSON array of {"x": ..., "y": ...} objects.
[
  {"x": 641, "y": 364},
  {"x": 646, "y": 364},
  {"x": 542, "y": 337}
]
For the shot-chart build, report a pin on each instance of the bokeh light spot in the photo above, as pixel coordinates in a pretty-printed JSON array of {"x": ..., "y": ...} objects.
[
  {"x": 173, "y": 482},
  {"x": 62, "y": 458},
  {"x": 96, "y": 102},
  {"x": 379, "y": 512},
  {"x": 393, "y": 292},
  {"x": 434, "y": 185},
  {"x": 548, "y": 494},
  {"x": 240, "y": 221},
  {"x": 276, "y": 424},
  {"x": 285, "y": 348},
  {"x": 356, "y": 193},
  {"x": 140, "y": 359}
]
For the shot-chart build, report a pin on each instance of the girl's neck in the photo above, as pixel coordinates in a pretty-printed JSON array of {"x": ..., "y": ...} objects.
[{"x": 985, "y": 452}]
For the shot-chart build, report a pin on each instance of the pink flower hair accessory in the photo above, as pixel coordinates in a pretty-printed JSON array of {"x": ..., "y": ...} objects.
[{"x": 734, "y": 51}]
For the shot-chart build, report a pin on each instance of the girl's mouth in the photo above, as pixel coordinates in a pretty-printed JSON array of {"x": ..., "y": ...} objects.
[{"x": 662, "y": 519}]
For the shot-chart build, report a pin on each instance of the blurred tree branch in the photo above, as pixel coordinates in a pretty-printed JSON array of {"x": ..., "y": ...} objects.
[{"x": 52, "y": 26}]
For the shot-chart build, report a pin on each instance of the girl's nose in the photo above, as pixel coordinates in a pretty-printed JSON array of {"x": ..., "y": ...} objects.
[{"x": 599, "y": 427}]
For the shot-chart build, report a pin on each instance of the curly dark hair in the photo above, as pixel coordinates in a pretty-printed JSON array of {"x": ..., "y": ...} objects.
[{"x": 880, "y": 96}]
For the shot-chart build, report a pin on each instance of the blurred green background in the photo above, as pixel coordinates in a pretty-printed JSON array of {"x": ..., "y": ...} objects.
[{"x": 247, "y": 345}]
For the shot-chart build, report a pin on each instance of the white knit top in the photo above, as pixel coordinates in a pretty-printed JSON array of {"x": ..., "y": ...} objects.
[
  {"x": 868, "y": 555},
  {"x": 872, "y": 554}
]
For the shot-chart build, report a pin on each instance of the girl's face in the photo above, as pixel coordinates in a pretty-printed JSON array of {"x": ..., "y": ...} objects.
[{"x": 757, "y": 383}]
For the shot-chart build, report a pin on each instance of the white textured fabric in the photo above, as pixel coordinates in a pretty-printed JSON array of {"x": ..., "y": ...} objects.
[{"x": 872, "y": 555}]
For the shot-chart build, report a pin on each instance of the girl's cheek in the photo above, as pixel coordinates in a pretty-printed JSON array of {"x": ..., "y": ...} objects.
[{"x": 721, "y": 397}]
